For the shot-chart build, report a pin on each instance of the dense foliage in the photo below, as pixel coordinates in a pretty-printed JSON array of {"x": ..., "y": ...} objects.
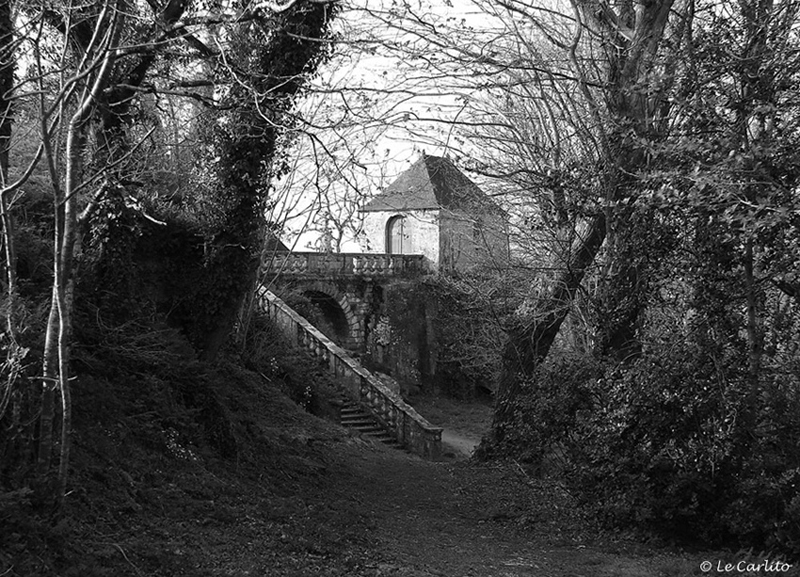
[
  {"x": 133, "y": 190},
  {"x": 472, "y": 309},
  {"x": 647, "y": 155},
  {"x": 663, "y": 445},
  {"x": 696, "y": 434}
]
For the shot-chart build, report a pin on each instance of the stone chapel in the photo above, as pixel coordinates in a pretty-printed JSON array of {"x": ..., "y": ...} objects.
[{"x": 434, "y": 210}]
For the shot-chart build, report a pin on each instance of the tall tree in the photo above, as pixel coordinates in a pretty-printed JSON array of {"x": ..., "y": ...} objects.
[
  {"x": 623, "y": 77},
  {"x": 246, "y": 143},
  {"x": 90, "y": 68},
  {"x": 742, "y": 167}
]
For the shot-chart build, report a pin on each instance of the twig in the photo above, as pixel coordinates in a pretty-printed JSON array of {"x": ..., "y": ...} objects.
[
  {"x": 521, "y": 470},
  {"x": 138, "y": 571}
]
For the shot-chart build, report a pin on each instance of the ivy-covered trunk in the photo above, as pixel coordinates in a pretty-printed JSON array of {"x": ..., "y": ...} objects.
[{"x": 279, "y": 52}]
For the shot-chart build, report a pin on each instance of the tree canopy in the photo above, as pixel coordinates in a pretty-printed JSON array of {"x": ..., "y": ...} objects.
[{"x": 111, "y": 94}]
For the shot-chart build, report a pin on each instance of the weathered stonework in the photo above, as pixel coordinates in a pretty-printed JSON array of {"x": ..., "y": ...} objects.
[
  {"x": 401, "y": 340},
  {"x": 432, "y": 218},
  {"x": 422, "y": 230},
  {"x": 410, "y": 429}
]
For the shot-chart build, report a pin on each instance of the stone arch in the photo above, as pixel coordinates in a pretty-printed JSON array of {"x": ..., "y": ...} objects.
[{"x": 337, "y": 310}]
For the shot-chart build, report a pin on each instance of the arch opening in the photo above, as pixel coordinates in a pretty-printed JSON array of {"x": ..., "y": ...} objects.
[{"x": 324, "y": 312}]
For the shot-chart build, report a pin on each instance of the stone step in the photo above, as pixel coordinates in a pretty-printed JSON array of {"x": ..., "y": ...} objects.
[
  {"x": 384, "y": 438},
  {"x": 355, "y": 417},
  {"x": 371, "y": 431},
  {"x": 360, "y": 423},
  {"x": 352, "y": 414}
]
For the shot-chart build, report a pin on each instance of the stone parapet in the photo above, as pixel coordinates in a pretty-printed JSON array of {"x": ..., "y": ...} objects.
[{"x": 321, "y": 264}]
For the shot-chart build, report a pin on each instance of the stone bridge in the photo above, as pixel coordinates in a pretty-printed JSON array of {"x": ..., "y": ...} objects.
[{"x": 347, "y": 289}]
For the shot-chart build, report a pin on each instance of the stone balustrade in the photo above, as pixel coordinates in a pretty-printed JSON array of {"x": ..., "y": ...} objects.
[
  {"x": 410, "y": 429},
  {"x": 322, "y": 264}
]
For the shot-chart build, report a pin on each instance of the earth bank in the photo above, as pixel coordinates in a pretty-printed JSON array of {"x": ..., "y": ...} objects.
[{"x": 219, "y": 473}]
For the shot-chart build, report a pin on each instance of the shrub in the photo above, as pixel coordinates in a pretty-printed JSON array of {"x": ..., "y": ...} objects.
[
  {"x": 546, "y": 419},
  {"x": 472, "y": 309},
  {"x": 663, "y": 443}
]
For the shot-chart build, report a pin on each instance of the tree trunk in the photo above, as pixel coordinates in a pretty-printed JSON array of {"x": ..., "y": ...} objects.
[
  {"x": 754, "y": 344},
  {"x": 625, "y": 120},
  {"x": 279, "y": 67},
  {"x": 67, "y": 240},
  {"x": 622, "y": 299},
  {"x": 7, "y": 66},
  {"x": 49, "y": 379},
  {"x": 529, "y": 341}
]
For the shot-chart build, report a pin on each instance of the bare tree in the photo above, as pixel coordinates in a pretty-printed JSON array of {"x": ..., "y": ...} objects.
[{"x": 558, "y": 100}]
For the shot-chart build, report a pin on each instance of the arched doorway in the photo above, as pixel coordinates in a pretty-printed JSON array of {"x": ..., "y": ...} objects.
[{"x": 398, "y": 236}]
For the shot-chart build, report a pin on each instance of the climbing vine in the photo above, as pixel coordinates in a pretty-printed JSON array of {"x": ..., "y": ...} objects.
[{"x": 276, "y": 53}]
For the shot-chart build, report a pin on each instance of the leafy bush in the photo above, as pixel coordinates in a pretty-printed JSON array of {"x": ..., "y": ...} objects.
[
  {"x": 471, "y": 311},
  {"x": 546, "y": 419},
  {"x": 664, "y": 443}
]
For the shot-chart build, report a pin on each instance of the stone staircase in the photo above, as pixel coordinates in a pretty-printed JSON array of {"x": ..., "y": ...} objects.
[
  {"x": 372, "y": 408},
  {"x": 356, "y": 418}
]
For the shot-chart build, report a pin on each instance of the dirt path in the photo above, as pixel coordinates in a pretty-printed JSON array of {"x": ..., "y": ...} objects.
[
  {"x": 319, "y": 501},
  {"x": 463, "y": 423},
  {"x": 456, "y": 518},
  {"x": 461, "y": 519},
  {"x": 459, "y": 445},
  {"x": 304, "y": 497}
]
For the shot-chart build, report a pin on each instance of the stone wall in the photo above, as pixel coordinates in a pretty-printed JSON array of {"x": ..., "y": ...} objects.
[
  {"x": 424, "y": 334},
  {"x": 467, "y": 240},
  {"x": 457, "y": 245},
  {"x": 422, "y": 227},
  {"x": 494, "y": 239},
  {"x": 448, "y": 239},
  {"x": 401, "y": 336}
]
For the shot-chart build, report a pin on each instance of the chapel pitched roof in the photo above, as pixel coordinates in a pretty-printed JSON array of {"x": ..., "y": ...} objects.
[{"x": 432, "y": 182}]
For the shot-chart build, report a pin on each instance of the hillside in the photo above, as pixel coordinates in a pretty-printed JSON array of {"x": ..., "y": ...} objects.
[{"x": 217, "y": 472}]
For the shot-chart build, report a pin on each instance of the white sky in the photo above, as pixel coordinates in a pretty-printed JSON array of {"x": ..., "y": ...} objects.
[{"x": 393, "y": 107}]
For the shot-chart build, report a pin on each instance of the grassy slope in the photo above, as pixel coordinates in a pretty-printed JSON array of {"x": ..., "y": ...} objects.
[{"x": 184, "y": 469}]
